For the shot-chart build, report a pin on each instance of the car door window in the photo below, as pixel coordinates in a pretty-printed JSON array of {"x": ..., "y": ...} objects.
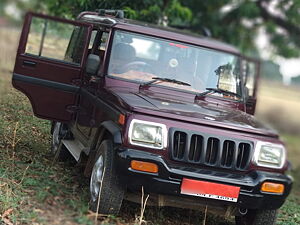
[
  {"x": 50, "y": 39},
  {"x": 98, "y": 43},
  {"x": 75, "y": 48},
  {"x": 104, "y": 39},
  {"x": 93, "y": 36}
]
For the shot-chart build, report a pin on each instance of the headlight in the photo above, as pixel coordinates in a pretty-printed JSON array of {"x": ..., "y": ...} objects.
[
  {"x": 148, "y": 134},
  {"x": 270, "y": 155}
]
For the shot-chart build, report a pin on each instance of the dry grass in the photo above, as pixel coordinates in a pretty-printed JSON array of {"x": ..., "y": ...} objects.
[
  {"x": 8, "y": 48},
  {"x": 279, "y": 105}
]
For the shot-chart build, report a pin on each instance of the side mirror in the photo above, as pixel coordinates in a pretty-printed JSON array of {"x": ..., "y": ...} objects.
[{"x": 92, "y": 64}]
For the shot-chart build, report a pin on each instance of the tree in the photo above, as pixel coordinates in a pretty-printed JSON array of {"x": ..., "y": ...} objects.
[
  {"x": 154, "y": 11},
  {"x": 233, "y": 21},
  {"x": 19, "y": 7},
  {"x": 238, "y": 22}
]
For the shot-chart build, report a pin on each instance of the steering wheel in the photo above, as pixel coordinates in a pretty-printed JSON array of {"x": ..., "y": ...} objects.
[{"x": 138, "y": 66}]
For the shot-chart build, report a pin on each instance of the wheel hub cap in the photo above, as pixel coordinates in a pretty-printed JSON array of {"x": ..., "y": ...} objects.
[
  {"x": 96, "y": 178},
  {"x": 55, "y": 139}
]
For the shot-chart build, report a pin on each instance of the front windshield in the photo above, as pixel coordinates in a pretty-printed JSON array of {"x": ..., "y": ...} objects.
[{"x": 140, "y": 58}]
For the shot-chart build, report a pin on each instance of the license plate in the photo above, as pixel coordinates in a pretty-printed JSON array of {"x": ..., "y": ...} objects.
[{"x": 210, "y": 190}]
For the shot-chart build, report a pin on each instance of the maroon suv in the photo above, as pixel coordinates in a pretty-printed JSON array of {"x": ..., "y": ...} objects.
[{"x": 148, "y": 107}]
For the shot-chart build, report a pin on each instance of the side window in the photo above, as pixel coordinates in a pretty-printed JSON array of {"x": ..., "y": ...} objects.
[
  {"x": 98, "y": 40},
  {"x": 250, "y": 72},
  {"x": 104, "y": 40},
  {"x": 75, "y": 47},
  {"x": 50, "y": 39},
  {"x": 93, "y": 36},
  {"x": 98, "y": 43}
]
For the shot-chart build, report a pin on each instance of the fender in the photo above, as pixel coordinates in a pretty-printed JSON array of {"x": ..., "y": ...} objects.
[
  {"x": 113, "y": 129},
  {"x": 106, "y": 126}
]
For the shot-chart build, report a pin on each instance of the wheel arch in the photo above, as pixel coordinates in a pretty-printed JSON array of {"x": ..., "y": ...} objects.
[{"x": 107, "y": 130}]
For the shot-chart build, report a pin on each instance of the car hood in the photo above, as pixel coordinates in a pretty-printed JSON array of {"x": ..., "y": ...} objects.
[{"x": 189, "y": 109}]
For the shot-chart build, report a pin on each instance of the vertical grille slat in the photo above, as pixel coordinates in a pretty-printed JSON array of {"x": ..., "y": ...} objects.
[
  {"x": 203, "y": 149},
  {"x": 240, "y": 155},
  {"x": 179, "y": 144},
  {"x": 243, "y": 155},
  {"x": 198, "y": 152},
  {"x": 195, "y": 148},
  {"x": 227, "y": 153},
  {"x": 212, "y": 151}
]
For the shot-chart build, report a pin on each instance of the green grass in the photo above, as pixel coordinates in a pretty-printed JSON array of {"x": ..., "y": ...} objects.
[
  {"x": 290, "y": 212},
  {"x": 27, "y": 177}
]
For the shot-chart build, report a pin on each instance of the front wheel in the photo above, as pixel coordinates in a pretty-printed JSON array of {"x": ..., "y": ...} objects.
[
  {"x": 257, "y": 217},
  {"x": 58, "y": 133},
  {"x": 105, "y": 188}
]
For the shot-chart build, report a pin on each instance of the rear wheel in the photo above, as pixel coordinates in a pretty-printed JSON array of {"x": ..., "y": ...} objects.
[
  {"x": 58, "y": 133},
  {"x": 257, "y": 217},
  {"x": 105, "y": 187}
]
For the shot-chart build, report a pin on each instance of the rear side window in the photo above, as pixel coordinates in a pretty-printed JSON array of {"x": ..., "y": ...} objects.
[{"x": 51, "y": 39}]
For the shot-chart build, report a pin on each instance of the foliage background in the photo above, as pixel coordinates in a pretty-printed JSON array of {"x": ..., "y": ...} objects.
[
  {"x": 239, "y": 22},
  {"x": 234, "y": 21}
]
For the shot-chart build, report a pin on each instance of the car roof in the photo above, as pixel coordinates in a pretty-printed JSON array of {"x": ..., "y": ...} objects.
[{"x": 158, "y": 31}]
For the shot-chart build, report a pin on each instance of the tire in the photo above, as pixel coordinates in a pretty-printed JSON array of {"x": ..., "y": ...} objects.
[
  {"x": 112, "y": 192},
  {"x": 58, "y": 133},
  {"x": 258, "y": 217}
]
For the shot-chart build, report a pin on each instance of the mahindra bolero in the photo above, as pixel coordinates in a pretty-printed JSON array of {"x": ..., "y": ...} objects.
[{"x": 152, "y": 108}]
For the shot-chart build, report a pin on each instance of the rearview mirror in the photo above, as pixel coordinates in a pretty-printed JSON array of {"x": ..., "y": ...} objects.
[{"x": 92, "y": 64}]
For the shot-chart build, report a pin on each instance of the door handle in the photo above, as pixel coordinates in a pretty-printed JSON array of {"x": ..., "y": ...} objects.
[{"x": 29, "y": 63}]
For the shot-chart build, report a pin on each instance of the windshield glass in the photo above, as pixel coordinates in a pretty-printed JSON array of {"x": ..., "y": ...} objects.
[{"x": 141, "y": 58}]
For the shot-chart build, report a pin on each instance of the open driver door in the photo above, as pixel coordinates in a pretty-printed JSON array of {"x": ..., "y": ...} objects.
[{"x": 47, "y": 69}]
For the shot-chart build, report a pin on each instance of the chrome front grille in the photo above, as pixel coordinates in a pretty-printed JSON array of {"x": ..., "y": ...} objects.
[{"x": 209, "y": 150}]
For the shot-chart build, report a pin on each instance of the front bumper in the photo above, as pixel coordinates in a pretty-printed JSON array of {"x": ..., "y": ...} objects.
[{"x": 168, "y": 181}]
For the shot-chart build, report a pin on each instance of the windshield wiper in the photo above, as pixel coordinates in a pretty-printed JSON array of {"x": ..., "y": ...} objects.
[
  {"x": 155, "y": 79},
  {"x": 218, "y": 90}
]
